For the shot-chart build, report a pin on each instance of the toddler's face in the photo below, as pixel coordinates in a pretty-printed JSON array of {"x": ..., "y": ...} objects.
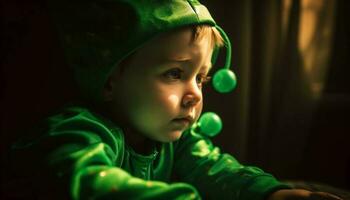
[{"x": 159, "y": 92}]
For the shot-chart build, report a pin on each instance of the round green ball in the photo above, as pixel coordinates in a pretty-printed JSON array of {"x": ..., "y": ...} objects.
[
  {"x": 224, "y": 81},
  {"x": 210, "y": 124}
]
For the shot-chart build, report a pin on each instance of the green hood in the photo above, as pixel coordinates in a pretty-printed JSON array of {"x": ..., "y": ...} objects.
[{"x": 98, "y": 34}]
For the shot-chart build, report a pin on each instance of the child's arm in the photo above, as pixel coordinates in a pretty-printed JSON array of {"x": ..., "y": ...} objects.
[
  {"x": 217, "y": 175},
  {"x": 81, "y": 158},
  {"x": 221, "y": 176},
  {"x": 300, "y": 194},
  {"x": 93, "y": 176}
]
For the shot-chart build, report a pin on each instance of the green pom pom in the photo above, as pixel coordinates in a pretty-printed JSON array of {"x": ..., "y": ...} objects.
[
  {"x": 210, "y": 124},
  {"x": 224, "y": 80}
]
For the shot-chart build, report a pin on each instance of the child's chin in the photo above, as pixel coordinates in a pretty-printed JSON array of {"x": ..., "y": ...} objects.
[{"x": 172, "y": 136}]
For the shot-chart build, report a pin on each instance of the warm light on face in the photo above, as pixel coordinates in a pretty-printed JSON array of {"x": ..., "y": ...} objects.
[
  {"x": 151, "y": 90},
  {"x": 174, "y": 100}
]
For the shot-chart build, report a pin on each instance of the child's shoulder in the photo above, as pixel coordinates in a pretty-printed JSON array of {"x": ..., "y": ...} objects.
[
  {"x": 74, "y": 115},
  {"x": 77, "y": 118},
  {"x": 71, "y": 124}
]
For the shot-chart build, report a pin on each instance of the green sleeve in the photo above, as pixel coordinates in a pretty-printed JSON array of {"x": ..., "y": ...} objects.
[
  {"x": 217, "y": 175},
  {"x": 94, "y": 177},
  {"x": 84, "y": 157}
]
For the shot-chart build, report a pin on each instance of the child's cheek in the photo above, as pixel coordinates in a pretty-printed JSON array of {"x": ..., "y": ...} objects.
[{"x": 173, "y": 100}]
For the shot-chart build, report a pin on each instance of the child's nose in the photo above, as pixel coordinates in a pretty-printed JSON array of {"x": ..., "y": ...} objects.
[
  {"x": 192, "y": 96},
  {"x": 190, "y": 100}
]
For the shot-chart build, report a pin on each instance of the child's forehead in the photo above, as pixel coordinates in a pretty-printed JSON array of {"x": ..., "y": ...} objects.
[
  {"x": 172, "y": 49},
  {"x": 174, "y": 44}
]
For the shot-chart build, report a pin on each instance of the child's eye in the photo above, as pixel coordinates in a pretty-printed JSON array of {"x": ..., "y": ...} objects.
[
  {"x": 202, "y": 79},
  {"x": 173, "y": 74}
]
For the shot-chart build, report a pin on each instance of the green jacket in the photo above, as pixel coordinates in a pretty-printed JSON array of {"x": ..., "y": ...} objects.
[{"x": 83, "y": 155}]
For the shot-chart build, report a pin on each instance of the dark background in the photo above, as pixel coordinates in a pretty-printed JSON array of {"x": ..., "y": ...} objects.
[
  {"x": 295, "y": 141},
  {"x": 294, "y": 138}
]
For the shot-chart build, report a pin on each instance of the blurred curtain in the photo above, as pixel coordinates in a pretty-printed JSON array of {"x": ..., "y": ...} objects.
[
  {"x": 289, "y": 60},
  {"x": 281, "y": 53}
]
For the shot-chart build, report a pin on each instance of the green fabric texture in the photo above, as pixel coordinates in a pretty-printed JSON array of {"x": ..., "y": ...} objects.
[
  {"x": 97, "y": 34},
  {"x": 82, "y": 155}
]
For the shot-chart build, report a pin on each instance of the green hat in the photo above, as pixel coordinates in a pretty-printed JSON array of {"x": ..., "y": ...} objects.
[{"x": 98, "y": 34}]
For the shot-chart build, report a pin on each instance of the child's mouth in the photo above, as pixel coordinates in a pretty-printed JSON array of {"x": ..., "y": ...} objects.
[{"x": 184, "y": 121}]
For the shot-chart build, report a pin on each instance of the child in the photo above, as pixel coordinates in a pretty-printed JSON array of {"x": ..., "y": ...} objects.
[{"x": 141, "y": 66}]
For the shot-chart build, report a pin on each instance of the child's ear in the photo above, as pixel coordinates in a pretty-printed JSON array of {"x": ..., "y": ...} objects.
[{"x": 108, "y": 90}]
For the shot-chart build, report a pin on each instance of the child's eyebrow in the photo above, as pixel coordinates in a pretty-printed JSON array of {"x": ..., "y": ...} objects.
[
  {"x": 184, "y": 60},
  {"x": 177, "y": 59}
]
